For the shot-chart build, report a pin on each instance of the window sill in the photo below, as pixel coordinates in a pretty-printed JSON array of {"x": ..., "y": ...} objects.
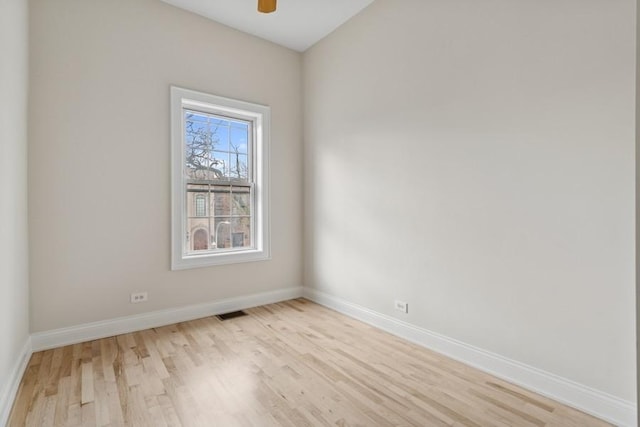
[{"x": 185, "y": 262}]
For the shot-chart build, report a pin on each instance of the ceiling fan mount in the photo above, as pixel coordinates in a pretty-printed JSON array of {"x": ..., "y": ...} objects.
[{"x": 266, "y": 6}]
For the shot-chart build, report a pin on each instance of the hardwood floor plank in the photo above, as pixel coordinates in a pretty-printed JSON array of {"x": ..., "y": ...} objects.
[
  {"x": 293, "y": 364},
  {"x": 87, "y": 383},
  {"x": 61, "y": 416}
]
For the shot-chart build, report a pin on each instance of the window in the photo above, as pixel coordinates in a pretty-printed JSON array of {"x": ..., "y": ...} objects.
[
  {"x": 219, "y": 159},
  {"x": 200, "y": 205}
]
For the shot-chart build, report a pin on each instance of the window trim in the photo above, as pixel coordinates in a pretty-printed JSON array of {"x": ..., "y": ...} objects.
[{"x": 185, "y": 99}]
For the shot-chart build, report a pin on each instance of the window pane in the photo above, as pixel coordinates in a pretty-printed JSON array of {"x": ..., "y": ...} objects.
[
  {"x": 193, "y": 192},
  {"x": 200, "y": 240},
  {"x": 195, "y": 117},
  {"x": 220, "y": 200},
  {"x": 239, "y": 166},
  {"x": 198, "y": 234},
  {"x": 221, "y": 131},
  {"x": 239, "y": 137},
  {"x": 241, "y": 201},
  {"x": 240, "y": 232},
  {"x": 221, "y": 165},
  {"x": 222, "y": 236}
]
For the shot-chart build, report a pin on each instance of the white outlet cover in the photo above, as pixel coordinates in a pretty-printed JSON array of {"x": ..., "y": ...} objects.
[
  {"x": 139, "y": 297},
  {"x": 402, "y": 306}
]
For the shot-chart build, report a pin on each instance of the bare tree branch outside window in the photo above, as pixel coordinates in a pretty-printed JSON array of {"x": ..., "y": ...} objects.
[{"x": 200, "y": 141}]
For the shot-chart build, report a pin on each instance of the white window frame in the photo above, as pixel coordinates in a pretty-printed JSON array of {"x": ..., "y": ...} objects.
[{"x": 259, "y": 115}]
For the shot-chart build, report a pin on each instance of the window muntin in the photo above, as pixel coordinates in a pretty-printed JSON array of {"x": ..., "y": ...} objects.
[{"x": 220, "y": 161}]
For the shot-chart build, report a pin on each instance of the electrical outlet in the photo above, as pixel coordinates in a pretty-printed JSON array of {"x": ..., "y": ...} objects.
[
  {"x": 402, "y": 306},
  {"x": 139, "y": 297}
]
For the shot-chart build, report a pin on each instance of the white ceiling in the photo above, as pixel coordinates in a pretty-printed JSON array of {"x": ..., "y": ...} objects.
[{"x": 296, "y": 24}]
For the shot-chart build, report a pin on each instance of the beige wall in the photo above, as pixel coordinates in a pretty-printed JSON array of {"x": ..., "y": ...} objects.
[
  {"x": 99, "y": 155},
  {"x": 14, "y": 287},
  {"x": 509, "y": 126}
]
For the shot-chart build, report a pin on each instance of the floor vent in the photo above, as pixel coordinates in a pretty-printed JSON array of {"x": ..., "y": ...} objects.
[{"x": 232, "y": 315}]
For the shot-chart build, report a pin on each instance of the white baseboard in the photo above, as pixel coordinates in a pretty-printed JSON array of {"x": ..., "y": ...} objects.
[
  {"x": 599, "y": 404},
  {"x": 10, "y": 389},
  {"x": 122, "y": 325}
]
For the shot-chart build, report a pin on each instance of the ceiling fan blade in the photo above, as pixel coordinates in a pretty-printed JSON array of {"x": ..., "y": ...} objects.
[{"x": 266, "y": 6}]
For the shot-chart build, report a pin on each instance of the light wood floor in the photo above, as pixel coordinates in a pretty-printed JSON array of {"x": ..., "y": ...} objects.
[{"x": 290, "y": 364}]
